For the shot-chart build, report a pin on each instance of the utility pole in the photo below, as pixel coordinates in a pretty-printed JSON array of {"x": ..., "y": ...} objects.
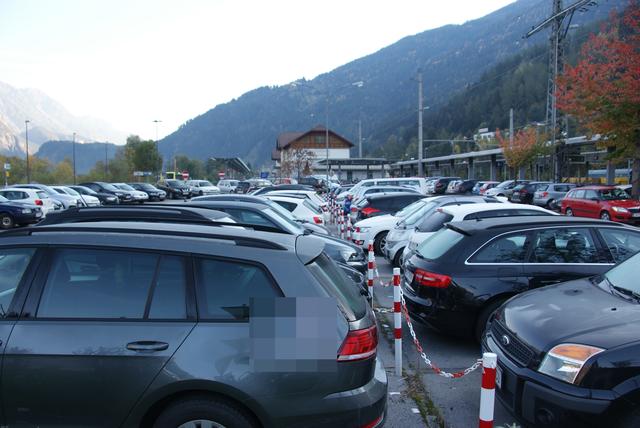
[
  {"x": 157, "y": 122},
  {"x": 326, "y": 138},
  {"x": 26, "y": 136},
  {"x": 560, "y": 22},
  {"x": 106, "y": 161},
  {"x": 360, "y": 136},
  {"x": 73, "y": 145},
  {"x": 420, "y": 150}
]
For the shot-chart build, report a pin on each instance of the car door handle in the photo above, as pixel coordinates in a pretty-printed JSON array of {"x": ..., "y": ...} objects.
[{"x": 147, "y": 346}]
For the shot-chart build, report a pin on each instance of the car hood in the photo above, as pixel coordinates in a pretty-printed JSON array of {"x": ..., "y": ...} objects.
[{"x": 572, "y": 312}]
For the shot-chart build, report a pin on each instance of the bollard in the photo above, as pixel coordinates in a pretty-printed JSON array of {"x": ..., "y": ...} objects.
[
  {"x": 370, "y": 267},
  {"x": 397, "y": 320},
  {"x": 341, "y": 221},
  {"x": 487, "y": 393},
  {"x": 348, "y": 227}
]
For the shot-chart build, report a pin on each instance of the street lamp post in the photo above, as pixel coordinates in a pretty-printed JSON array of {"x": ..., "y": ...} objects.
[
  {"x": 157, "y": 122},
  {"x": 73, "y": 145},
  {"x": 26, "y": 136}
]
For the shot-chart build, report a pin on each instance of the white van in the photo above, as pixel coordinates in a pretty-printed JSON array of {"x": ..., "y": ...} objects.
[{"x": 227, "y": 186}]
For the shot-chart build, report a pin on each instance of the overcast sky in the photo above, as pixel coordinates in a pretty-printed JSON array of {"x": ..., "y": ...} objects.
[{"x": 132, "y": 61}]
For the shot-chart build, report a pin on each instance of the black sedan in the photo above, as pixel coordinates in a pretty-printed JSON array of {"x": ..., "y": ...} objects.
[
  {"x": 17, "y": 213},
  {"x": 154, "y": 193},
  {"x": 569, "y": 354},
  {"x": 104, "y": 198},
  {"x": 459, "y": 276},
  {"x": 175, "y": 189}
]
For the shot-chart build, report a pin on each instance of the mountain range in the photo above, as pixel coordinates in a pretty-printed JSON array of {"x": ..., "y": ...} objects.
[
  {"x": 48, "y": 120},
  {"x": 451, "y": 58}
]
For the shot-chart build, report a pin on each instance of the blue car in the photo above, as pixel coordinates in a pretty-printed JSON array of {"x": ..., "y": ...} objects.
[{"x": 17, "y": 213}]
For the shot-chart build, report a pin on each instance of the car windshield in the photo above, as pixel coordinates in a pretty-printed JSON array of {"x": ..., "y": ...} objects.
[
  {"x": 504, "y": 184},
  {"x": 124, "y": 186},
  {"x": 70, "y": 191},
  {"x": 613, "y": 194},
  {"x": 624, "y": 275},
  {"x": 3, "y": 199},
  {"x": 413, "y": 218},
  {"x": 87, "y": 191},
  {"x": 175, "y": 183},
  {"x": 110, "y": 187},
  {"x": 204, "y": 183}
]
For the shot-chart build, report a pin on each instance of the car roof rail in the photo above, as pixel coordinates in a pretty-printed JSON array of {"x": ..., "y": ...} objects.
[
  {"x": 148, "y": 215},
  {"x": 239, "y": 240}
]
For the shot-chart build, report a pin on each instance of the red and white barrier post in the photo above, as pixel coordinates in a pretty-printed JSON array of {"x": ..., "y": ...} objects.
[
  {"x": 341, "y": 221},
  {"x": 487, "y": 393},
  {"x": 397, "y": 320},
  {"x": 348, "y": 227},
  {"x": 370, "y": 268}
]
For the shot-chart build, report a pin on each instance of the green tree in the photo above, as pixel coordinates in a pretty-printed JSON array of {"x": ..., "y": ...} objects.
[
  {"x": 63, "y": 172},
  {"x": 142, "y": 155}
]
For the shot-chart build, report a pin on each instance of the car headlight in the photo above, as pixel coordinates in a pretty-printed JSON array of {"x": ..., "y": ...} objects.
[
  {"x": 26, "y": 211},
  {"x": 119, "y": 194},
  {"x": 349, "y": 256},
  {"x": 565, "y": 361},
  {"x": 364, "y": 229},
  {"x": 620, "y": 209}
]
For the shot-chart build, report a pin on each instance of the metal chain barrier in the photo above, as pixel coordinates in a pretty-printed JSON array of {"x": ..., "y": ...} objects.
[{"x": 427, "y": 361}]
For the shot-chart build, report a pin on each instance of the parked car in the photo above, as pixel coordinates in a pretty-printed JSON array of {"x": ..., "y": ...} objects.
[
  {"x": 466, "y": 187},
  {"x": 482, "y": 186},
  {"x": 626, "y": 187},
  {"x": 523, "y": 193},
  {"x": 175, "y": 189},
  {"x": 460, "y": 275},
  {"x": 548, "y": 195},
  {"x": 242, "y": 187},
  {"x": 278, "y": 209},
  {"x": 384, "y": 203},
  {"x": 227, "y": 186},
  {"x": 87, "y": 201},
  {"x": 605, "y": 202},
  {"x": 300, "y": 207},
  {"x": 67, "y": 201},
  {"x": 109, "y": 189},
  {"x": 138, "y": 196},
  {"x": 398, "y": 237},
  {"x": 441, "y": 184},
  {"x": 418, "y": 183},
  {"x": 262, "y": 214},
  {"x": 504, "y": 189},
  {"x": 437, "y": 218},
  {"x": 452, "y": 187},
  {"x": 168, "y": 338},
  {"x": 315, "y": 182},
  {"x": 568, "y": 353},
  {"x": 104, "y": 198},
  {"x": 376, "y": 228},
  {"x": 202, "y": 188},
  {"x": 35, "y": 197},
  {"x": 13, "y": 213},
  {"x": 268, "y": 189},
  {"x": 372, "y": 190},
  {"x": 153, "y": 192}
]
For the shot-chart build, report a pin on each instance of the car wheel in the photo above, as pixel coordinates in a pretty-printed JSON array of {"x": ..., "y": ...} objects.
[
  {"x": 201, "y": 193},
  {"x": 551, "y": 204},
  {"x": 484, "y": 319},
  {"x": 379, "y": 243},
  {"x": 568, "y": 212},
  {"x": 604, "y": 215},
  {"x": 196, "y": 412},
  {"x": 397, "y": 260},
  {"x": 6, "y": 221}
]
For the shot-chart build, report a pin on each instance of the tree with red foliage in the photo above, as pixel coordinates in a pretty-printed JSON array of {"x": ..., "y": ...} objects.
[
  {"x": 524, "y": 148},
  {"x": 602, "y": 91}
]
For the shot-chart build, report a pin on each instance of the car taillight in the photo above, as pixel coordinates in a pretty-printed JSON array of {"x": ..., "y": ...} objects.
[
  {"x": 373, "y": 423},
  {"x": 359, "y": 344},
  {"x": 368, "y": 211},
  {"x": 317, "y": 220},
  {"x": 544, "y": 194},
  {"x": 39, "y": 202},
  {"x": 354, "y": 210},
  {"x": 430, "y": 279}
]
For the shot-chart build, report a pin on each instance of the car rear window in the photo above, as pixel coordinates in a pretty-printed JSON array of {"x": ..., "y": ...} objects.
[
  {"x": 337, "y": 284},
  {"x": 439, "y": 243},
  {"x": 312, "y": 206}
]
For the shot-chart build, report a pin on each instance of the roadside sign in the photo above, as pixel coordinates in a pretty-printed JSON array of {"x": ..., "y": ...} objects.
[
  {"x": 185, "y": 175},
  {"x": 7, "y": 167},
  {"x": 221, "y": 174},
  {"x": 264, "y": 174}
]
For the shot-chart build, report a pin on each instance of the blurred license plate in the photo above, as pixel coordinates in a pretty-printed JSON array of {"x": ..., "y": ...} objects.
[
  {"x": 636, "y": 214},
  {"x": 498, "y": 377},
  {"x": 38, "y": 214}
]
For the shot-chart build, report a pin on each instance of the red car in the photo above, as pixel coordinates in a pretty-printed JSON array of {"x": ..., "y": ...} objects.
[{"x": 605, "y": 202}]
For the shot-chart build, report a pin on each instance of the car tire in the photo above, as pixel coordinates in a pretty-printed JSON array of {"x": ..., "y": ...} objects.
[
  {"x": 379, "y": 242},
  {"x": 568, "y": 212},
  {"x": 397, "y": 260},
  {"x": 485, "y": 315},
  {"x": 550, "y": 204},
  {"x": 203, "y": 409},
  {"x": 6, "y": 221},
  {"x": 604, "y": 215}
]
